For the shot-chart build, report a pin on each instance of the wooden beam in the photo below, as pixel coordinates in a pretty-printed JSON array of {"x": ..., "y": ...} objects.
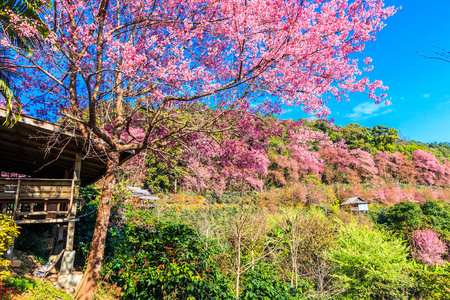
[
  {"x": 77, "y": 167},
  {"x": 43, "y": 221},
  {"x": 36, "y": 195},
  {"x": 41, "y": 213}
]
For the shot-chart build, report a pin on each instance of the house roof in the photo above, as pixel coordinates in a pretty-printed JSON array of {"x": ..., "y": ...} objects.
[
  {"x": 140, "y": 193},
  {"x": 24, "y": 150},
  {"x": 355, "y": 200}
]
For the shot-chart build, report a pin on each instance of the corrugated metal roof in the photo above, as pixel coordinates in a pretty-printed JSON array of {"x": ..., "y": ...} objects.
[
  {"x": 355, "y": 200},
  {"x": 141, "y": 193}
]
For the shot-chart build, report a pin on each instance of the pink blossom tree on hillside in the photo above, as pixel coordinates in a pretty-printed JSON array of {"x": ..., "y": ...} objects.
[
  {"x": 402, "y": 169},
  {"x": 427, "y": 247},
  {"x": 339, "y": 165},
  {"x": 383, "y": 164},
  {"x": 235, "y": 159},
  {"x": 430, "y": 169},
  {"x": 109, "y": 66},
  {"x": 364, "y": 165},
  {"x": 293, "y": 152}
]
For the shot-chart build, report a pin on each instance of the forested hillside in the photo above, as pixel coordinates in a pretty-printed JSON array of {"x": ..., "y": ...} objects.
[{"x": 271, "y": 153}]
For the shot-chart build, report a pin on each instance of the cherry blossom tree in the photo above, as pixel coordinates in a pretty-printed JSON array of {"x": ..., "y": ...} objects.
[
  {"x": 109, "y": 66},
  {"x": 339, "y": 165},
  {"x": 235, "y": 159},
  {"x": 402, "y": 169},
  {"x": 427, "y": 246},
  {"x": 383, "y": 164},
  {"x": 428, "y": 165},
  {"x": 294, "y": 153},
  {"x": 364, "y": 165}
]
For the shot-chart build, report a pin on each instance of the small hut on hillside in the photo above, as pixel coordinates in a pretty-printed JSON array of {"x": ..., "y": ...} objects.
[
  {"x": 356, "y": 204},
  {"x": 142, "y": 198}
]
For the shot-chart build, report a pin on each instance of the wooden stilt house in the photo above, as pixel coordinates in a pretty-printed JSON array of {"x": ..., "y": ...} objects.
[
  {"x": 356, "y": 205},
  {"x": 53, "y": 163}
]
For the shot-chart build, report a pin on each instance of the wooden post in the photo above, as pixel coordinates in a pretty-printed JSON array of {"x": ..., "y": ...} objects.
[
  {"x": 72, "y": 196},
  {"x": 69, "y": 254},
  {"x": 77, "y": 167},
  {"x": 9, "y": 251},
  {"x": 16, "y": 201}
]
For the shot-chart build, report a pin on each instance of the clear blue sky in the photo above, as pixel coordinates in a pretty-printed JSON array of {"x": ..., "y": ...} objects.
[{"x": 419, "y": 88}]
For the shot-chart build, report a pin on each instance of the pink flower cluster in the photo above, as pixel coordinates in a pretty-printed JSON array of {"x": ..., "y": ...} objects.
[{"x": 428, "y": 248}]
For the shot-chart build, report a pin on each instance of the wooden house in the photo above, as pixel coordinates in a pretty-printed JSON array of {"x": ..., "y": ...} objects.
[
  {"x": 53, "y": 163},
  {"x": 356, "y": 204}
]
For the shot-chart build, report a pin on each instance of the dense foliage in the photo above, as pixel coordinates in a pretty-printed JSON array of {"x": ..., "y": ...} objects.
[
  {"x": 166, "y": 262},
  {"x": 8, "y": 231},
  {"x": 370, "y": 265}
]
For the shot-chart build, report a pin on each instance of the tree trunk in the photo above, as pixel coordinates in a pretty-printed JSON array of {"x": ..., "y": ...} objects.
[
  {"x": 238, "y": 273},
  {"x": 94, "y": 265}
]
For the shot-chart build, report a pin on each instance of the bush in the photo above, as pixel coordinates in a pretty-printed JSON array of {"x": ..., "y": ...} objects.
[
  {"x": 264, "y": 283},
  {"x": 8, "y": 231},
  {"x": 431, "y": 282},
  {"x": 369, "y": 264},
  {"x": 84, "y": 229},
  {"x": 405, "y": 217},
  {"x": 165, "y": 261}
]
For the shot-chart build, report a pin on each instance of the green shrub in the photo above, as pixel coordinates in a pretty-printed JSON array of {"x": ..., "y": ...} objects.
[
  {"x": 84, "y": 229},
  {"x": 370, "y": 264},
  {"x": 8, "y": 231},
  {"x": 165, "y": 262},
  {"x": 431, "y": 282},
  {"x": 20, "y": 284},
  {"x": 263, "y": 283},
  {"x": 405, "y": 217}
]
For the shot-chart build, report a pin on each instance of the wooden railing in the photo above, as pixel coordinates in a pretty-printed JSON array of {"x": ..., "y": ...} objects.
[{"x": 52, "y": 198}]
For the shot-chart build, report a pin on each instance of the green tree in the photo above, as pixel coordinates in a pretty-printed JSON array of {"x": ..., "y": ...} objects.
[
  {"x": 358, "y": 137},
  {"x": 264, "y": 282},
  {"x": 370, "y": 264},
  {"x": 384, "y": 138},
  {"x": 164, "y": 171},
  {"x": 432, "y": 282},
  {"x": 322, "y": 125},
  {"x": 402, "y": 218}
]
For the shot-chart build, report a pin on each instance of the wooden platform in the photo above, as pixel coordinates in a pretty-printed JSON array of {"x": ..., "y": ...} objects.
[{"x": 31, "y": 200}]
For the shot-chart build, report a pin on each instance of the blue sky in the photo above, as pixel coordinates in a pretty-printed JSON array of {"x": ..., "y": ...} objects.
[{"x": 419, "y": 88}]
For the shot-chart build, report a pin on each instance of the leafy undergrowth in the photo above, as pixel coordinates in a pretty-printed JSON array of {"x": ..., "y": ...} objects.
[{"x": 22, "y": 288}]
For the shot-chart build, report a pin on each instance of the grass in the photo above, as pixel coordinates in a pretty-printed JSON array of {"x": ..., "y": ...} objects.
[{"x": 22, "y": 288}]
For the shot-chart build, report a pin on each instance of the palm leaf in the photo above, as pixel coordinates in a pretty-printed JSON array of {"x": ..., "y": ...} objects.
[
  {"x": 28, "y": 11},
  {"x": 8, "y": 93}
]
